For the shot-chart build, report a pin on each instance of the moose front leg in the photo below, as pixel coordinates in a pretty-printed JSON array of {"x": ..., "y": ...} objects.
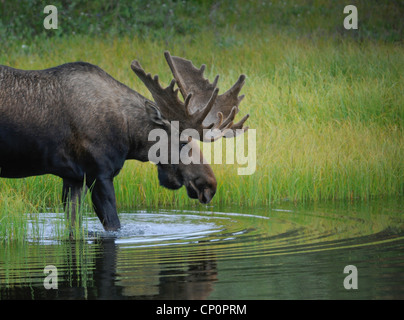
[
  {"x": 103, "y": 197},
  {"x": 71, "y": 197}
]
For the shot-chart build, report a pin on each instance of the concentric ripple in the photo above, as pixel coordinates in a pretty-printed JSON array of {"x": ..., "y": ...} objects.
[{"x": 253, "y": 253}]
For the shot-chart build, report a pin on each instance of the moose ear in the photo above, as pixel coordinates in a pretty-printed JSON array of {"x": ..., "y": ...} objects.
[{"x": 154, "y": 114}]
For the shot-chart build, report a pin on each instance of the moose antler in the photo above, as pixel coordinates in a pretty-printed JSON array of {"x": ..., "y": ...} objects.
[{"x": 203, "y": 109}]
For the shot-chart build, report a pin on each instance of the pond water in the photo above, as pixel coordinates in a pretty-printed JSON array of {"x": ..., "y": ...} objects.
[{"x": 279, "y": 252}]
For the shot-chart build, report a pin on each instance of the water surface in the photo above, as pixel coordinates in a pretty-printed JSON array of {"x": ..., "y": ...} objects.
[{"x": 279, "y": 252}]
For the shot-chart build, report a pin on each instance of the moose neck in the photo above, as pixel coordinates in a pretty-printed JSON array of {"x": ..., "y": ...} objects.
[{"x": 139, "y": 127}]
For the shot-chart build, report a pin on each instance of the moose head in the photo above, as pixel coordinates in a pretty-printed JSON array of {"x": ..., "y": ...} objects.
[{"x": 203, "y": 114}]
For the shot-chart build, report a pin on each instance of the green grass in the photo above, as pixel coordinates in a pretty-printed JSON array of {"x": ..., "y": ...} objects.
[
  {"x": 22, "y": 200},
  {"x": 327, "y": 105},
  {"x": 13, "y": 224}
]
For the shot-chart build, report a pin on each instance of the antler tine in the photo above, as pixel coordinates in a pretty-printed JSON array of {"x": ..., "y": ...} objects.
[
  {"x": 187, "y": 101},
  {"x": 230, "y": 118},
  {"x": 239, "y": 125},
  {"x": 215, "y": 81},
  {"x": 174, "y": 72},
  {"x": 205, "y": 111},
  {"x": 190, "y": 79},
  {"x": 236, "y": 88},
  {"x": 166, "y": 98},
  {"x": 220, "y": 121}
]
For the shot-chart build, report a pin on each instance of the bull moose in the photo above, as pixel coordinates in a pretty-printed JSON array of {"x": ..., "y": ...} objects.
[{"x": 77, "y": 122}]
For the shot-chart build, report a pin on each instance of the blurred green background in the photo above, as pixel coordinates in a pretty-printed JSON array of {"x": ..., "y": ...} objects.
[{"x": 22, "y": 20}]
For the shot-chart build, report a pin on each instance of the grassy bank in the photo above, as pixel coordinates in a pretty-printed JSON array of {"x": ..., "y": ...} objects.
[
  {"x": 327, "y": 107},
  {"x": 328, "y": 115}
]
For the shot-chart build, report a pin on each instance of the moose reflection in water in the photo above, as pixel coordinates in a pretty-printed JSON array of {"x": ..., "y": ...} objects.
[{"x": 103, "y": 274}]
